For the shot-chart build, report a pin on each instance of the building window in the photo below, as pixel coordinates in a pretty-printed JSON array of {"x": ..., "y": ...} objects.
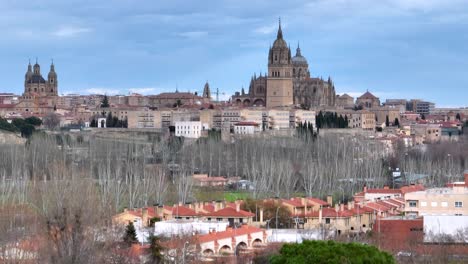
[
  {"x": 423, "y": 203},
  {"x": 434, "y": 204},
  {"x": 412, "y": 203},
  {"x": 444, "y": 204},
  {"x": 459, "y": 204},
  {"x": 327, "y": 220}
]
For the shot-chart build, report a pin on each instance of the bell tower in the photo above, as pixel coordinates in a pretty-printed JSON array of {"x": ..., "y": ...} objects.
[
  {"x": 52, "y": 80},
  {"x": 280, "y": 73}
]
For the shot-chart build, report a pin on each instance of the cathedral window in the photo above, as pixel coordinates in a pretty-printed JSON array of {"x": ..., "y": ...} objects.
[{"x": 276, "y": 57}]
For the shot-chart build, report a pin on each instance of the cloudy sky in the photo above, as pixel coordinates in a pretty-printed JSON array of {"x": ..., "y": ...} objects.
[{"x": 393, "y": 48}]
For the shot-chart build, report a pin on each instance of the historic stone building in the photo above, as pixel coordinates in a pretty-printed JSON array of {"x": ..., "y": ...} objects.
[
  {"x": 287, "y": 82},
  {"x": 40, "y": 96}
]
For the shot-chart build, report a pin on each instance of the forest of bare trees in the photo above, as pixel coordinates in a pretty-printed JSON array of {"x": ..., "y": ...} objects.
[{"x": 66, "y": 188}]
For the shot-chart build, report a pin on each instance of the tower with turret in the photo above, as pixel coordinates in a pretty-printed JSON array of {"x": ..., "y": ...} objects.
[
  {"x": 280, "y": 73},
  {"x": 36, "y": 85}
]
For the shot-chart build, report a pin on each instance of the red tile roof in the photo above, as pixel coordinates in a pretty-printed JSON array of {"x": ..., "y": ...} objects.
[
  {"x": 230, "y": 212},
  {"x": 183, "y": 211}
]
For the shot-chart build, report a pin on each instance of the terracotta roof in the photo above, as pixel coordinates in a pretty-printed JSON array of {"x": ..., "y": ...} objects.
[
  {"x": 183, "y": 211},
  {"x": 412, "y": 188},
  {"x": 367, "y": 95},
  {"x": 230, "y": 212},
  {"x": 331, "y": 213},
  {"x": 139, "y": 212},
  {"x": 230, "y": 232},
  {"x": 176, "y": 96}
]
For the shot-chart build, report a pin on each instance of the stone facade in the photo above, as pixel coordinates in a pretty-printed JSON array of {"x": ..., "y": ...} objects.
[
  {"x": 40, "y": 96},
  {"x": 287, "y": 83}
]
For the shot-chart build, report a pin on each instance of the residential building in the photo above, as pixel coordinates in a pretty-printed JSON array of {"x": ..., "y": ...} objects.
[
  {"x": 247, "y": 128},
  {"x": 364, "y": 120},
  {"x": 451, "y": 200},
  {"x": 188, "y": 129},
  {"x": 298, "y": 117},
  {"x": 276, "y": 119}
]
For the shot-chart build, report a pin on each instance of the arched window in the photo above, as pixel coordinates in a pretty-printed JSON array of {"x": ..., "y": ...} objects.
[{"x": 276, "y": 57}]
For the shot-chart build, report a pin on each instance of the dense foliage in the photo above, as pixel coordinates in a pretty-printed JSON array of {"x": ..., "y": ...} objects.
[
  {"x": 331, "y": 120},
  {"x": 330, "y": 252},
  {"x": 25, "y": 126}
]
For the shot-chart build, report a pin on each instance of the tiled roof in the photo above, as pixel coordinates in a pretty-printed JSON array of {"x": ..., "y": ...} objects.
[
  {"x": 367, "y": 95},
  {"x": 331, "y": 213},
  {"x": 183, "y": 211},
  {"x": 230, "y": 212}
]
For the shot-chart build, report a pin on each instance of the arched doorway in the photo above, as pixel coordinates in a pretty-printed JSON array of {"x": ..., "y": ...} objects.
[
  {"x": 225, "y": 249},
  {"x": 246, "y": 102},
  {"x": 241, "y": 247},
  {"x": 257, "y": 243},
  {"x": 259, "y": 102},
  {"x": 238, "y": 101},
  {"x": 208, "y": 252}
]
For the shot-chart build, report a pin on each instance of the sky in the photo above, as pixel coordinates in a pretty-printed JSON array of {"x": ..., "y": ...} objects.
[{"x": 393, "y": 48}]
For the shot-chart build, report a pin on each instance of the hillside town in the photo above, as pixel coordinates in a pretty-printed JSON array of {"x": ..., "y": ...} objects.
[{"x": 187, "y": 177}]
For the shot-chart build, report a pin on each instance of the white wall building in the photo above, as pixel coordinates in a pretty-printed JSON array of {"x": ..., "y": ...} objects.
[
  {"x": 247, "y": 128},
  {"x": 187, "y": 227},
  {"x": 188, "y": 129}
]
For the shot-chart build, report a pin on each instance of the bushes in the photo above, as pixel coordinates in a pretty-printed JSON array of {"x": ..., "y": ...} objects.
[{"x": 330, "y": 252}]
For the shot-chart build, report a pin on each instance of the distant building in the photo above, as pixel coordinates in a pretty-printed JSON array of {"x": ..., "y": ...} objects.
[
  {"x": 188, "y": 129},
  {"x": 368, "y": 100},
  {"x": 364, "y": 120},
  {"x": 345, "y": 101},
  {"x": 40, "y": 96},
  {"x": 451, "y": 200},
  {"x": 247, "y": 128},
  {"x": 287, "y": 82}
]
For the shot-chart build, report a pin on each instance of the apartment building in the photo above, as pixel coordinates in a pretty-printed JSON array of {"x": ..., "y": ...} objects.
[
  {"x": 450, "y": 200},
  {"x": 188, "y": 129},
  {"x": 364, "y": 120},
  {"x": 297, "y": 117},
  {"x": 276, "y": 119}
]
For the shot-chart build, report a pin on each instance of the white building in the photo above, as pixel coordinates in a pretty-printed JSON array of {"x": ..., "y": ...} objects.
[
  {"x": 187, "y": 227},
  {"x": 438, "y": 227},
  {"x": 188, "y": 129},
  {"x": 247, "y": 128}
]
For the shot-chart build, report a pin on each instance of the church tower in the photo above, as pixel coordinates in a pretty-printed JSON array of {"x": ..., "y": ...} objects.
[
  {"x": 280, "y": 76},
  {"x": 207, "y": 91},
  {"x": 52, "y": 81}
]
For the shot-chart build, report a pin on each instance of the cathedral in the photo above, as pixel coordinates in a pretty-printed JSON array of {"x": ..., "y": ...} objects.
[
  {"x": 40, "y": 96},
  {"x": 287, "y": 82}
]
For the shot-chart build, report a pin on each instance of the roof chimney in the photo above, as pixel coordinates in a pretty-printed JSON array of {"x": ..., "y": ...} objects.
[
  {"x": 342, "y": 207},
  {"x": 303, "y": 201},
  {"x": 144, "y": 216},
  {"x": 365, "y": 188},
  {"x": 386, "y": 187},
  {"x": 237, "y": 207},
  {"x": 329, "y": 200}
]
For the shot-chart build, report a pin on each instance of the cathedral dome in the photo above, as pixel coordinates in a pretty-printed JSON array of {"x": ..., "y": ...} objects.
[
  {"x": 280, "y": 43},
  {"x": 299, "y": 59}
]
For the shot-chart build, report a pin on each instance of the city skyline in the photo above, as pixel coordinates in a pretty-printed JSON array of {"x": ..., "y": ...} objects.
[{"x": 395, "y": 49}]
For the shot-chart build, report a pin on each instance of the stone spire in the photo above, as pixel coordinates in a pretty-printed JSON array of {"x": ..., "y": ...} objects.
[
  {"x": 206, "y": 90},
  {"x": 280, "y": 32},
  {"x": 298, "y": 50}
]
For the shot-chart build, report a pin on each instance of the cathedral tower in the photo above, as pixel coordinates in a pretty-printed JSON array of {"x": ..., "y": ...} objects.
[
  {"x": 52, "y": 81},
  {"x": 280, "y": 76},
  {"x": 207, "y": 91}
]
